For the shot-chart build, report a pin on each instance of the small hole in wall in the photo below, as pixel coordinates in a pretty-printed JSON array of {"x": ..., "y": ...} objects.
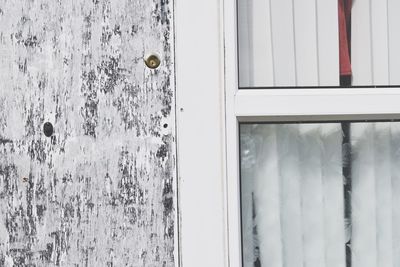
[
  {"x": 165, "y": 125},
  {"x": 48, "y": 129}
]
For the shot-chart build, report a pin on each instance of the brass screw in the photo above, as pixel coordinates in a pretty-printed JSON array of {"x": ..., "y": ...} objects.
[{"x": 152, "y": 61}]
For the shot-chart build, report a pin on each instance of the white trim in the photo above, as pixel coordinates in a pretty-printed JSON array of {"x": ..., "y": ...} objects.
[
  {"x": 200, "y": 132},
  {"x": 306, "y": 102},
  {"x": 232, "y": 131}
]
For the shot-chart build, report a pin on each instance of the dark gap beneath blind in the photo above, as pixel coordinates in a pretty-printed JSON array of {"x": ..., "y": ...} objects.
[{"x": 345, "y": 80}]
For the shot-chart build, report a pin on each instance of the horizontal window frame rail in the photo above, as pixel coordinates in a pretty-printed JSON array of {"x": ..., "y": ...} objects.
[{"x": 284, "y": 104}]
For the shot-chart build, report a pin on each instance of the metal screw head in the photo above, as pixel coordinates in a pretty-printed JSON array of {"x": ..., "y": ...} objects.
[{"x": 152, "y": 61}]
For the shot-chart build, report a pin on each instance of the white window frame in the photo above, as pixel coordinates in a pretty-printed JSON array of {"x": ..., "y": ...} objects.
[
  {"x": 209, "y": 109},
  {"x": 301, "y": 104}
]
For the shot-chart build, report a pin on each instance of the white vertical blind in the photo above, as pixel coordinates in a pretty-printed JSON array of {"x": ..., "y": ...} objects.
[
  {"x": 283, "y": 42},
  {"x": 379, "y": 39},
  {"x": 292, "y": 184},
  {"x": 312, "y": 200},
  {"x": 375, "y": 42},
  {"x": 384, "y": 202},
  {"x": 364, "y": 220},
  {"x": 394, "y": 41},
  {"x": 288, "y": 43},
  {"x": 295, "y": 176},
  {"x": 375, "y": 198},
  {"x": 306, "y": 43},
  {"x": 290, "y": 195},
  {"x": 255, "y": 46},
  {"x": 295, "y": 43},
  {"x": 395, "y": 174},
  {"x": 328, "y": 42},
  {"x": 331, "y": 162},
  {"x": 247, "y": 170},
  {"x": 269, "y": 228}
]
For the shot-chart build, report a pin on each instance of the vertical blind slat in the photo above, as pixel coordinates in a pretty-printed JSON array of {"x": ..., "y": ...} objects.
[
  {"x": 283, "y": 42},
  {"x": 395, "y": 174},
  {"x": 379, "y": 39},
  {"x": 361, "y": 42},
  {"x": 332, "y": 178},
  {"x": 394, "y": 41},
  {"x": 290, "y": 195},
  {"x": 244, "y": 43},
  {"x": 328, "y": 42},
  {"x": 383, "y": 195},
  {"x": 312, "y": 196},
  {"x": 267, "y": 196},
  {"x": 364, "y": 241},
  {"x": 255, "y": 54},
  {"x": 261, "y": 56},
  {"x": 248, "y": 171},
  {"x": 305, "y": 25}
]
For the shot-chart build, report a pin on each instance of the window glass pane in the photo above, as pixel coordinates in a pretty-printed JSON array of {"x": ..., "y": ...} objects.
[
  {"x": 320, "y": 194},
  {"x": 285, "y": 43}
]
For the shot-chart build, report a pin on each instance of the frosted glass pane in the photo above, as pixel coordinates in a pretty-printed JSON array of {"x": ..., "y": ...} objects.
[{"x": 320, "y": 194}]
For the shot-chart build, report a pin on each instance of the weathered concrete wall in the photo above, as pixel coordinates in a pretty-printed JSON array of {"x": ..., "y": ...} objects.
[{"x": 100, "y": 191}]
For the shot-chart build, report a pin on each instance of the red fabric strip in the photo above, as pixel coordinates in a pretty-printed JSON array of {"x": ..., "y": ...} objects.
[{"x": 344, "y": 37}]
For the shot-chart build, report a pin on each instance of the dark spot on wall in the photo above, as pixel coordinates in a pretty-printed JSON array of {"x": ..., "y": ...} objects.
[
  {"x": 22, "y": 66},
  {"x": 131, "y": 214},
  {"x": 86, "y": 37},
  {"x": 170, "y": 231},
  {"x": 29, "y": 223},
  {"x": 134, "y": 29},
  {"x": 29, "y": 42},
  {"x": 9, "y": 174},
  {"x": 4, "y": 141},
  {"x": 87, "y": 29},
  {"x": 117, "y": 30},
  {"x": 168, "y": 205},
  {"x": 36, "y": 150},
  {"x": 167, "y": 190},
  {"x": 45, "y": 255},
  {"x": 30, "y": 128},
  {"x": 42, "y": 84},
  {"x": 88, "y": 20},
  {"x": 24, "y": 19},
  {"x": 161, "y": 12},
  {"x": 61, "y": 245},
  {"x": 90, "y": 205},
  {"x": 106, "y": 35},
  {"x": 89, "y": 110},
  {"x": 40, "y": 209},
  {"x": 21, "y": 257},
  {"x": 167, "y": 98},
  {"x": 68, "y": 211},
  {"x": 110, "y": 74},
  {"x": 67, "y": 178},
  {"x": 162, "y": 151}
]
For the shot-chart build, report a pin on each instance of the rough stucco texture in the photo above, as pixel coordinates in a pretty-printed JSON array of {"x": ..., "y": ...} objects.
[{"x": 100, "y": 191}]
